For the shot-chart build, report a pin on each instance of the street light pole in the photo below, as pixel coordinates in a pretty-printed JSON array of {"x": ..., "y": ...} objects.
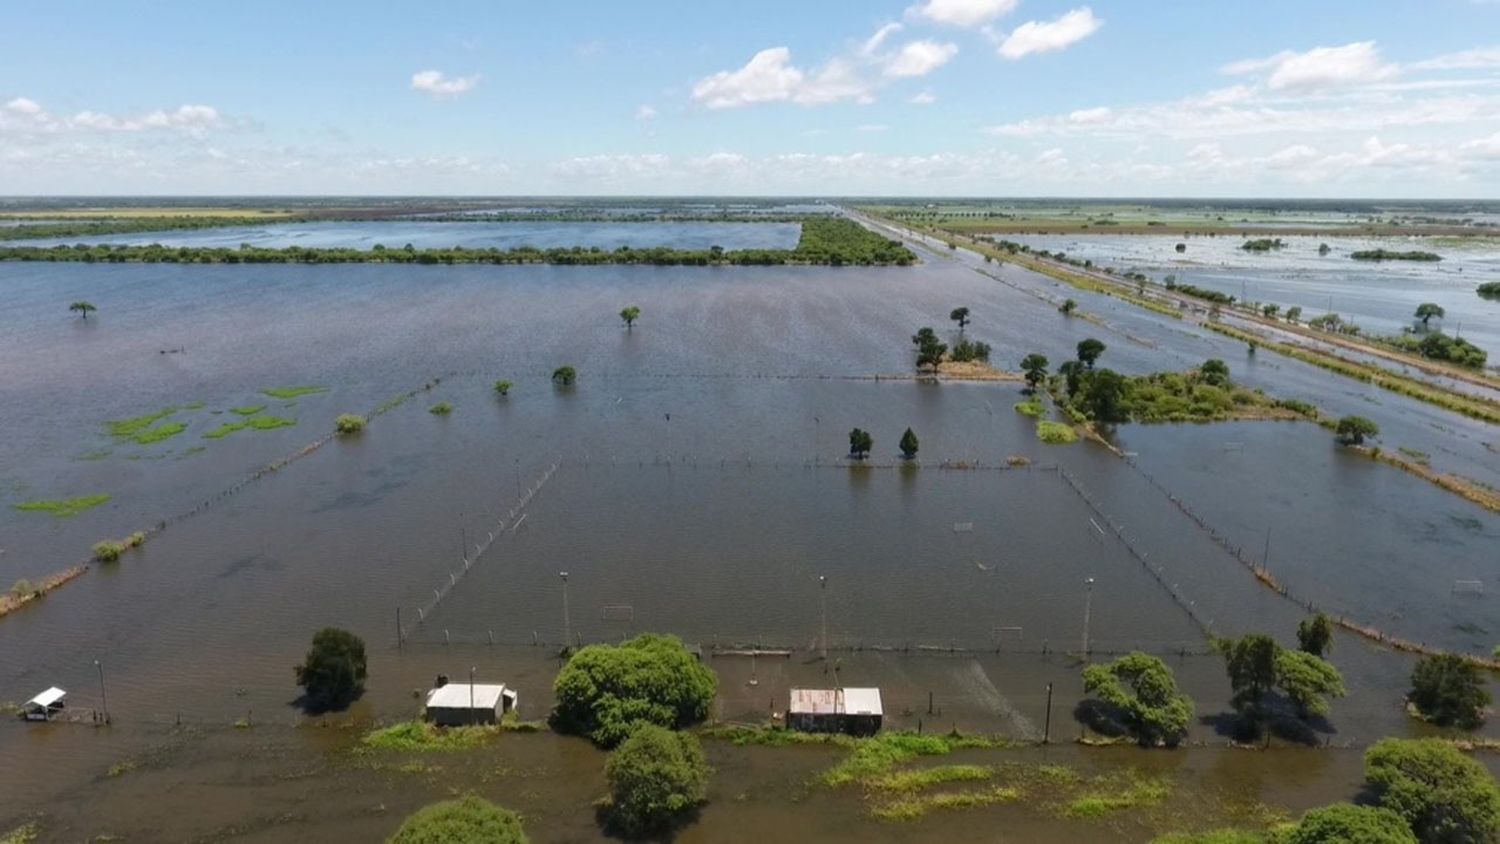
[
  {"x": 1088, "y": 607},
  {"x": 823, "y": 614},
  {"x": 103, "y": 699},
  {"x": 567, "y": 624},
  {"x": 471, "y": 695}
]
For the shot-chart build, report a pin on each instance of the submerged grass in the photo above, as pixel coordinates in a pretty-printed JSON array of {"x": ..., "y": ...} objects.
[
  {"x": 293, "y": 392},
  {"x": 63, "y": 508},
  {"x": 1031, "y": 407},
  {"x": 915, "y": 807},
  {"x": 925, "y": 778},
  {"x": 876, "y": 756},
  {"x": 1055, "y": 433},
  {"x": 128, "y": 429},
  {"x": 164, "y": 431},
  {"x": 256, "y": 423},
  {"x": 424, "y": 737},
  {"x": 23, "y": 834},
  {"x": 249, "y": 410},
  {"x": 1117, "y": 793}
]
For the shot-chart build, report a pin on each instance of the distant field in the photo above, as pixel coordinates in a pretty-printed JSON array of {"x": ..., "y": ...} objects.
[{"x": 136, "y": 212}]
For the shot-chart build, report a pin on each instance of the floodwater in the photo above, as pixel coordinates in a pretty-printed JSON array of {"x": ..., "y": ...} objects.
[
  {"x": 1378, "y": 296},
  {"x": 471, "y": 235},
  {"x": 699, "y": 489}
]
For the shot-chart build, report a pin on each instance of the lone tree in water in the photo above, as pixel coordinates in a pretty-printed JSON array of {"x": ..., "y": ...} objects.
[
  {"x": 333, "y": 672},
  {"x": 564, "y": 376},
  {"x": 929, "y": 351},
  {"x": 1428, "y": 310},
  {"x": 1315, "y": 635},
  {"x": 1343, "y": 823},
  {"x": 468, "y": 820},
  {"x": 1352, "y": 430},
  {"x": 1447, "y": 690},
  {"x": 860, "y": 443},
  {"x": 630, "y": 315},
  {"x": 1067, "y": 307},
  {"x": 1142, "y": 688},
  {"x": 1035, "y": 367},
  {"x": 1442, "y": 794},
  {"x": 909, "y": 444},
  {"x": 82, "y": 308},
  {"x": 1089, "y": 351},
  {"x": 960, "y": 316},
  {"x": 654, "y": 777}
]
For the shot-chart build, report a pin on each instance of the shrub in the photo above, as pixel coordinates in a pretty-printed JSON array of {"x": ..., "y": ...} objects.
[
  {"x": 909, "y": 444},
  {"x": 564, "y": 376},
  {"x": 605, "y": 690},
  {"x": 333, "y": 672},
  {"x": 442, "y": 408},
  {"x": 1441, "y": 793},
  {"x": 503, "y": 387},
  {"x": 1352, "y": 430},
  {"x": 654, "y": 777},
  {"x": 22, "y": 588},
  {"x": 108, "y": 551},
  {"x": 1447, "y": 689},
  {"x": 1345, "y": 823},
  {"x": 349, "y": 423},
  {"x": 1143, "y": 689},
  {"x": 468, "y": 820}
]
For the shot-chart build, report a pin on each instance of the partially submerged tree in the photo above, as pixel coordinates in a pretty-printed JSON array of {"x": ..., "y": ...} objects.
[
  {"x": 930, "y": 351},
  {"x": 655, "y": 776},
  {"x": 630, "y": 315},
  {"x": 333, "y": 672},
  {"x": 1143, "y": 689},
  {"x": 1443, "y": 795},
  {"x": 1308, "y": 681},
  {"x": 1103, "y": 395},
  {"x": 564, "y": 376},
  {"x": 1352, "y": 430},
  {"x": 349, "y": 423},
  {"x": 860, "y": 443},
  {"x": 1067, "y": 307},
  {"x": 1214, "y": 371},
  {"x": 1035, "y": 367},
  {"x": 467, "y": 820},
  {"x": 1257, "y": 665},
  {"x": 1293, "y": 314},
  {"x": 1447, "y": 689},
  {"x": 1346, "y": 823},
  {"x": 960, "y": 316},
  {"x": 1315, "y": 635},
  {"x": 605, "y": 691},
  {"x": 1427, "y": 310},
  {"x": 1089, "y": 351},
  {"x": 1072, "y": 373},
  {"x": 503, "y": 387},
  {"x": 909, "y": 444},
  {"x": 82, "y": 308}
]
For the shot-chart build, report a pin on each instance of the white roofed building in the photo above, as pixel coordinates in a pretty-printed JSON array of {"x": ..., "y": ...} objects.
[{"x": 462, "y": 704}]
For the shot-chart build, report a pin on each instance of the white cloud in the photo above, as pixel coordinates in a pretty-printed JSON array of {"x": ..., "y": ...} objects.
[
  {"x": 1487, "y": 149},
  {"x": 767, "y": 78},
  {"x": 837, "y": 80},
  {"x": 23, "y": 116},
  {"x": 1480, "y": 59},
  {"x": 1321, "y": 67},
  {"x": 923, "y": 98},
  {"x": 966, "y": 13},
  {"x": 1039, "y": 37},
  {"x": 437, "y": 85},
  {"x": 1090, "y": 116},
  {"x": 645, "y": 112},
  {"x": 920, "y": 58},
  {"x": 21, "y": 105},
  {"x": 876, "y": 41},
  {"x": 872, "y": 127}
]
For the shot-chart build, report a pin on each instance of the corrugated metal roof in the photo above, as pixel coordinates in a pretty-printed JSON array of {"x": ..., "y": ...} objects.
[
  {"x": 835, "y": 702},
  {"x": 456, "y": 696},
  {"x": 47, "y": 698},
  {"x": 862, "y": 702}
]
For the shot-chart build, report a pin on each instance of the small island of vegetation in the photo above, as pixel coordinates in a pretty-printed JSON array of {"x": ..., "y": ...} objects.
[
  {"x": 1489, "y": 290},
  {"x": 1392, "y": 255},
  {"x": 1263, "y": 244}
]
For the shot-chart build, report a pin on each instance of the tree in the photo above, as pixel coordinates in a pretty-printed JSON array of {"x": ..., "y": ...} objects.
[
  {"x": 1143, "y": 688},
  {"x": 349, "y": 423},
  {"x": 1315, "y": 635},
  {"x": 1428, "y": 310},
  {"x": 630, "y": 315},
  {"x": 1181, "y": 247},
  {"x": 960, "y": 316},
  {"x": 1072, "y": 373},
  {"x": 1214, "y": 371},
  {"x": 1270, "y": 310},
  {"x": 503, "y": 387},
  {"x": 1307, "y": 681},
  {"x": 1352, "y": 430},
  {"x": 1447, "y": 690},
  {"x": 1346, "y": 823},
  {"x": 909, "y": 444},
  {"x": 654, "y": 777},
  {"x": 564, "y": 376},
  {"x": 1067, "y": 307},
  {"x": 1089, "y": 351},
  {"x": 605, "y": 691},
  {"x": 82, "y": 308},
  {"x": 929, "y": 351},
  {"x": 1293, "y": 314},
  {"x": 1251, "y": 663},
  {"x": 467, "y": 820},
  {"x": 1035, "y": 367},
  {"x": 860, "y": 443},
  {"x": 1103, "y": 395},
  {"x": 333, "y": 672},
  {"x": 1443, "y": 795}
]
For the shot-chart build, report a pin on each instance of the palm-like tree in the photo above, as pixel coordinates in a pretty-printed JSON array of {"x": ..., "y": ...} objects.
[{"x": 82, "y": 308}]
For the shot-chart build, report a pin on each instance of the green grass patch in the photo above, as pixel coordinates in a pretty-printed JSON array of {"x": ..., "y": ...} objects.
[
  {"x": 914, "y": 807},
  {"x": 255, "y": 423},
  {"x": 1119, "y": 793},
  {"x": 876, "y": 756},
  {"x": 164, "y": 431},
  {"x": 1055, "y": 433},
  {"x": 424, "y": 737},
  {"x": 769, "y": 736},
  {"x": 249, "y": 410},
  {"x": 442, "y": 408},
  {"x": 129, "y": 429},
  {"x": 23, "y": 834},
  {"x": 922, "y": 779},
  {"x": 1032, "y": 407},
  {"x": 1213, "y": 836},
  {"x": 63, "y": 508},
  {"x": 293, "y": 392},
  {"x": 120, "y": 769}
]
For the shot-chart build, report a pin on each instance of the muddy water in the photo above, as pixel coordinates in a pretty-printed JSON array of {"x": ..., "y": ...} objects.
[{"x": 694, "y": 488}]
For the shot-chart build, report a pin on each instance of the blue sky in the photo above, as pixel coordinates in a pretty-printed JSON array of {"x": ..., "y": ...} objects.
[{"x": 927, "y": 97}]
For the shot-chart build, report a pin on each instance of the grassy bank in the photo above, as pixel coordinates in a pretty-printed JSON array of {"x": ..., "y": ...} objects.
[{"x": 63, "y": 508}]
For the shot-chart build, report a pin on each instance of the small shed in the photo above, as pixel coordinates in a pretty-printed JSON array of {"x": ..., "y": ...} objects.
[
  {"x": 856, "y": 712},
  {"x": 45, "y": 706},
  {"x": 462, "y": 704}
]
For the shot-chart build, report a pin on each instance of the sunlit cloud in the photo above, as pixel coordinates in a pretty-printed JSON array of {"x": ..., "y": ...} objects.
[
  {"x": 1035, "y": 37},
  {"x": 437, "y": 85}
]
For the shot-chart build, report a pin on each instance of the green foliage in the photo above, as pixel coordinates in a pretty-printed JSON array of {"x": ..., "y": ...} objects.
[
  {"x": 1315, "y": 635},
  {"x": 442, "y": 408},
  {"x": 467, "y": 820},
  {"x": 860, "y": 443},
  {"x": 930, "y": 351},
  {"x": 1308, "y": 681},
  {"x": 1143, "y": 689},
  {"x": 1215, "y": 372},
  {"x": 872, "y": 758},
  {"x": 1488, "y": 290},
  {"x": 1392, "y": 255},
  {"x": 503, "y": 387},
  {"x": 1128, "y": 792},
  {"x": 960, "y": 316},
  {"x": 1251, "y": 663},
  {"x": 1352, "y": 430},
  {"x": 1213, "y": 836},
  {"x": 137, "y": 426},
  {"x": 1256, "y": 664},
  {"x": 63, "y": 508},
  {"x": 1055, "y": 433},
  {"x": 420, "y": 736},
  {"x": 909, "y": 444},
  {"x": 1103, "y": 396},
  {"x": 82, "y": 308},
  {"x": 1035, "y": 367},
  {"x": 1294, "y": 313},
  {"x": 248, "y": 410},
  {"x": 1428, "y": 310},
  {"x": 1263, "y": 244},
  {"x": 1269, "y": 310},
  {"x": 564, "y": 376},
  {"x": 1345, "y": 823},
  {"x": 630, "y": 314},
  {"x": 256, "y": 423},
  {"x": 966, "y": 350},
  {"x": 349, "y": 423},
  {"x": 333, "y": 672},
  {"x": 604, "y": 691},
  {"x": 161, "y": 432},
  {"x": 1067, "y": 307},
  {"x": 1072, "y": 372},
  {"x": 1031, "y": 407},
  {"x": 1449, "y": 690},
  {"x": 1089, "y": 351},
  {"x": 23, "y": 834},
  {"x": 1442, "y": 794},
  {"x": 1439, "y": 346},
  {"x": 293, "y": 392},
  {"x": 654, "y": 777},
  {"x": 108, "y": 551}
]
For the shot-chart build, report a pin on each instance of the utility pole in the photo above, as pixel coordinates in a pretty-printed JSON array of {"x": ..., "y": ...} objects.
[
  {"x": 567, "y": 625},
  {"x": 1047, "y": 728},
  {"x": 1088, "y": 607},
  {"x": 823, "y": 612},
  {"x": 471, "y": 694},
  {"x": 103, "y": 699}
]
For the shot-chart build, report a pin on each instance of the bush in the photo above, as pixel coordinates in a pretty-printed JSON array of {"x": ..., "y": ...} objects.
[
  {"x": 333, "y": 673},
  {"x": 1143, "y": 689},
  {"x": 349, "y": 423},
  {"x": 468, "y": 820},
  {"x": 605, "y": 690},
  {"x": 503, "y": 387},
  {"x": 1447, "y": 689},
  {"x": 1345, "y": 823},
  {"x": 1352, "y": 430},
  {"x": 108, "y": 551},
  {"x": 1443, "y": 795},
  {"x": 442, "y": 408},
  {"x": 654, "y": 777},
  {"x": 564, "y": 376}
]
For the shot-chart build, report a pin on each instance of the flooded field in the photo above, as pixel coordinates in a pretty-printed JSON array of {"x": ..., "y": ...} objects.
[{"x": 699, "y": 490}]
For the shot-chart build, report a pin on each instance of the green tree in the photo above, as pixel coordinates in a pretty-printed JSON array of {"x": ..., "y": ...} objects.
[
  {"x": 630, "y": 315},
  {"x": 1035, "y": 367},
  {"x": 1103, "y": 396},
  {"x": 82, "y": 308},
  {"x": 1251, "y": 664},
  {"x": 1143, "y": 688},
  {"x": 860, "y": 443},
  {"x": 1448, "y": 690},
  {"x": 1428, "y": 310},
  {"x": 604, "y": 691},
  {"x": 564, "y": 376},
  {"x": 467, "y": 820},
  {"x": 929, "y": 350},
  {"x": 1345, "y": 823},
  {"x": 1443, "y": 795},
  {"x": 503, "y": 387},
  {"x": 1214, "y": 371},
  {"x": 1293, "y": 314},
  {"x": 1067, "y": 307},
  {"x": 1089, "y": 351},
  {"x": 1072, "y": 373},
  {"x": 349, "y": 423},
  {"x": 654, "y": 777},
  {"x": 1308, "y": 681},
  {"x": 333, "y": 672},
  {"x": 1269, "y": 310},
  {"x": 960, "y": 316},
  {"x": 1315, "y": 635},
  {"x": 1352, "y": 430},
  {"x": 909, "y": 444}
]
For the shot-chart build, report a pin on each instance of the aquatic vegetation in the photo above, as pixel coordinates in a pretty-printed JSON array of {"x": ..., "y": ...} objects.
[
  {"x": 503, "y": 387},
  {"x": 108, "y": 551},
  {"x": 1263, "y": 244},
  {"x": 250, "y": 410},
  {"x": 1393, "y": 255},
  {"x": 913, "y": 807},
  {"x": 875, "y": 756},
  {"x": 442, "y": 408},
  {"x": 257, "y": 423},
  {"x": 136, "y": 425},
  {"x": 1031, "y": 407},
  {"x": 293, "y": 392},
  {"x": 924, "y": 778},
  {"x": 1055, "y": 433},
  {"x": 120, "y": 769},
  {"x": 1124, "y": 791},
  {"x": 467, "y": 820},
  {"x": 421, "y": 736},
  {"x": 1488, "y": 290},
  {"x": 161, "y": 432},
  {"x": 349, "y": 423},
  {"x": 64, "y": 508},
  {"x": 23, "y": 834}
]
